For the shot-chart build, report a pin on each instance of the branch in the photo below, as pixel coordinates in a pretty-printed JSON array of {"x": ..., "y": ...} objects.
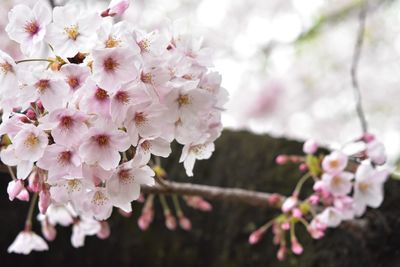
[
  {"x": 253, "y": 198},
  {"x": 355, "y": 64},
  {"x": 52, "y": 4}
]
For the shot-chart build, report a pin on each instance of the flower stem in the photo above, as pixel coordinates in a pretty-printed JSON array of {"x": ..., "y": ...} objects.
[
  {"x": 300, "y": 183},
  {"x": 28, "y": 222},
  {"x": 164, "y": 204},
  {"x": 33, "y": 60},
  {"x": 177, "y": 206},
  {"x": 10, "y": 170}
]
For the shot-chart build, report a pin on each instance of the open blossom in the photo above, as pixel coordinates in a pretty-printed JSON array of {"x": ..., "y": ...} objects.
[
  {"x": 27, "y": 241},
  {"x": 8, "y": 73},
  {"x": 195, "y": 151},
  {"x": 338, "y": 184},
  {"x": 153, "y": 146},
  {"x": 28, "y": 26},
  {"x": 85, "y": 226},
  {"x": 72, "y": 31},
  {"x": 113, "y": 67},
  {"x": 69, "y": 125},
  {"x": 124, "y": 186},
  {"x": 368, "y": 187},
  {"x": 101, "y": 146},
  {"x": 60, "y": 161},
  {"x": 75, "y": 75},
  {"x": 94, "y": 100},
  {"x": 117, "y": 7},
  {"x": 376, "y": 152},
  {"x": 335, "y": 162}
]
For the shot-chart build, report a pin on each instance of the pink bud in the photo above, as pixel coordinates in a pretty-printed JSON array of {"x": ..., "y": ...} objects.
[
  {"x": 116, "y": 7},
  {"x": 285, "y": 226},
  {"x": 104, "y": 230},
  {"x": 185, "y": 223},
  {"x": 35, "y": 182},
  {"x": 40, "y": 105},
  {"x": 367, "y": 137},
  {"x": 281, "y": 253},
  {"x": 310, "y": 146},
  {"x": 49, "y": 231},
  {"x": 31, "y": 114},
  {"x": 198, "y": 203},
  {"x": 303, "y": 167},
  {"x": 44, "y": 200},
  {"x": 274, "y": 199},
  {"x": 14, "y": 188},
  {"x": 296, "y": 247},
  {"x": 281, "y": 159},
  {"x": 170, "y": 221},
  {"x": 141, "y": 198},
  {"x": 23, "y": 195},
  {"x": 296, "y": 213},
  {"x": 145, "y": 218},
  {"x": 255, "y": 236},
  {"x": 313, "y": 199}
]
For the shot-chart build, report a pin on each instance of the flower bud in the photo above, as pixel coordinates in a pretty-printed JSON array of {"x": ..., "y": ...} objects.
[
  {"x": 296, "y": 213},
  {"x": 274, "y": 199},
  {"x": 185, "y": 223},
  {"x": 289, "y": 204},
  {"x": 170, "y": 221},
  {"x": 281, "y": 255},
  {"x": 49, "y": 231},
  {"x": 281, "y": 159},
  {"x": 44, "y": 200},
  {"x": 31, "y": 114},
  {"x": 256, "y": 236},
  {"x": 14, "y": 188},
  {"x": 23, "y": 195},
  {"x": 296, "y": 247},
  {"x": 310, "y": 146},
  {"x": 116, "y": 8}
]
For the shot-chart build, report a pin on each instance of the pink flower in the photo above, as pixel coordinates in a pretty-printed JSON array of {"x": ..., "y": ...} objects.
[
  {"x": 83, "y": 227},
  {"x": 310, "y": 146},
  {"x": 72, "y": 30},
  {"x": 289, "y": 204},
  {"x": 331, "y": 217},
  {"x": 124, "y": 186},
  {"x": 14, "y": 188},
  {"x": 104, "y": 230},
  {"x": 376, "y": 152},
  {"x": 75, "y": 75},
  {"x": 153, "y": 146},
  {"x": 69, "y": 126},
  {"x": 338, "y": 184},
  {"x": 334, "y": 162},
  {"x": 185, "y": 223},
  {"x": 95, "y": 100},
  {"x": 296, "y": 247},
  {"x": 193, "y": 152},
  {"x": 118, "y": 7},
  {"x": 60, "y": 161},
  {"x": 98, "y": 204},
  {"x": 8, "y": 74},
  {"x": 101, "y": 146},
  {"x": 316, "y": 229},
  {"x": 27, "y": 241},
  {"x": 368, "y": 188},
  {"x": 28, "y": 26},
  {"x": 114, "y": 67}
]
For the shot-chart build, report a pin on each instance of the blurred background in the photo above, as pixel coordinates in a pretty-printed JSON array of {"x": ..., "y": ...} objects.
[{"x": 287, "y": 64}]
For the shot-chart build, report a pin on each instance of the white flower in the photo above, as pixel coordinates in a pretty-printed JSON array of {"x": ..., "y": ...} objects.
[
  {"x": 85, "y": 226},
  {"x": 72, "y": 31},
  {"x": 338, "y": 184},
  {"x": 28, "y": 26},
  {"x": 192, "y": 152},
  {"x": 368, "y": 188},
  {"x": 27, "y": 241}
]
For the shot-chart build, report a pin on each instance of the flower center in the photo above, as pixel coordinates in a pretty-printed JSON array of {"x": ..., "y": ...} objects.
[
  {"x": 146, "y": 77},
  {"x": 73, "y": 82},
  {"x": 31, "y": 27},
  {"x": 144, "y": 45},
  {"x": 72, "y": 32},
  {"x": 336, "y": 181},
  {"x": 183, "y": 100},
  {"x": 112, "y": 42},
  {"x": 122, "y": 97},
  {"x": 102, "y": 140},
  {"x": 334, "y": 163},
  {"x": 101, "y": 94},
  {"x": 146, "y": 146},
  {"x": 197, "y": 149},
  {"x": 73, "y": 185},
  {"x": 364, "y": 186},
  {"x": 42, "y": 85},
  {"x": 125, "y": 176},
  {"x": 99, "y": 198},
  {"x": 140, "y": 118},
  {"x": 31, "y": 140},
  {"x": 64, "y": 157},
  {"x": 6, "y": 67},
  {"x": 66, "y": 122},
  {"x": 110, "y": 64}
]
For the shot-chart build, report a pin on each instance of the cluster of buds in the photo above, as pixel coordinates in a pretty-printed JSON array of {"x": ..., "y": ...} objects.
[
  {"x": 346, "y": 182},
  {"x": 93, "y": 101}
]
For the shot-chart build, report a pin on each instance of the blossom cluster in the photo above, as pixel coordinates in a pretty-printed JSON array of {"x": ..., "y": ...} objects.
[
  {"x": 92, "y": 103},
  {"x": 345, "y": 183}
]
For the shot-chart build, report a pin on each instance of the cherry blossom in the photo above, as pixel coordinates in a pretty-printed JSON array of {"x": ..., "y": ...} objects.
[
  {"x": 26, "y": 242},
  {"x": 195, "y": 151}
]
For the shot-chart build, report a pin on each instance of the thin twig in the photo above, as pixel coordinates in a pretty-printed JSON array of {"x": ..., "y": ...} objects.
[
  {"x": 52, "y": 4},
  {"x": 253, "y": 198},
  {"x": 355, "y": 64}
]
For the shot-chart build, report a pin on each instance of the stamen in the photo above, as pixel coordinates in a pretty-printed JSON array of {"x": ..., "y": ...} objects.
[{"x": 72, "y": 32}]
